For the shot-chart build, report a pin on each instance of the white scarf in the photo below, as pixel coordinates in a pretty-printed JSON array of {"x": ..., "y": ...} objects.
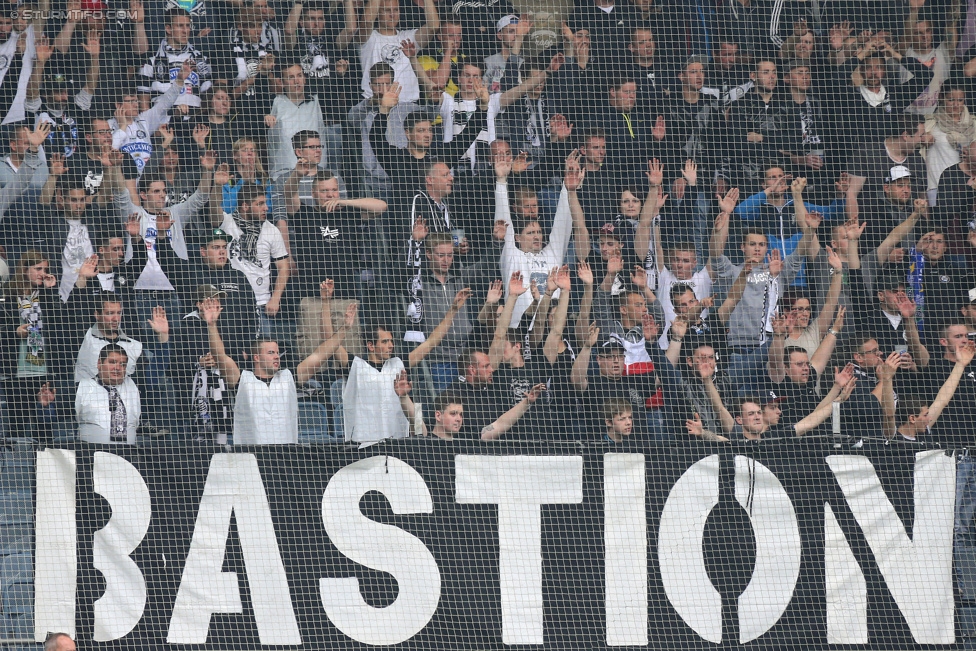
[{"x": 872, "y": 98}]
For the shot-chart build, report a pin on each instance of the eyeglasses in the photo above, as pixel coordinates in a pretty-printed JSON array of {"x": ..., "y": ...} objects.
[
  {"x": 312, "y": 147},
  {"x": 873, "y": 351}
]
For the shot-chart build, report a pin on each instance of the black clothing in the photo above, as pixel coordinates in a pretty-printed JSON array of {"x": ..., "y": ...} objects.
[{"x": 325, "y": 245}]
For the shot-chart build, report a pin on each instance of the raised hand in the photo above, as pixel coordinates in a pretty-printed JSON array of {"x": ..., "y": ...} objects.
[
  {"x": 460, "y": 298},
  {"x": 775, "y": 262},
  {"x": 533, "y": 394},
  {"x": 650, "y": 327},
  {"x": 592, "y": 335},
  {"x": 563, "y": 281},
  {"x": 521, "y": 162},
  {"x": 891, "y": 365},
  {"x": 43, "y": 48},
  {"x": 46, "y": 395},
  {"x": 839, "y": 319},
  {"x": 679, "y": 327},
  {"x": 573, "y": 178},
  {"x": 200, "y": 134},
  {"x": 409, "y": 48},
  {"x": 837, "y": 34},
  {"x": 56, "y": 165},
  {"x": 349, "y": 318},
  {"x": 209, "y": 160},
  {"x": 848, "y": 389},
  {"x": 168, "y": 135},
  {"x": 420, "y": 230},
  {"x": 500, "y": 229},
  {"x": 133, "y": 225},
  {"x": 921, "y": 207},
  {"x": 401, "y": 384},
  {"x": 833, "y": 259},
  {"x": 185, "y": 71},
  {"x": 781, "y": 324},
  {"x": 727, "y": 203},
  {"x": 327, "y": 289},
  {"x": 494, "y": 292},
  {"x": 798, "y": 186},
  {"x": 38, "y": 135},
  {"x": 516, "y": 284},
  {"x": 842, "y": 184},
  {"x": 844, "y": 376},
  {"x": 89, "y": 268},
  {"x": 391, "y": 97},
  {"x": 906, "y": 307},
  {"x": 855, "y": 230},
  {"x": 694, "y": 426},
  {"x": 584, "y": 272},
  {"x": 559, "y": 128},
  {"x": 210, "y": 311},
  {"x": 655, "y": 172},
  {"x": 639, "y": 277},
  {"x": 503, "y": 167},
  {"x": 659, "y": 130},
  {"x": 551, "y": 280},
  {"x": 966, "y": 352},
  {"x": 164, "y": 220},
  {"x": 690, "y": 172},
  {"x": 221, "y": 175},
  {"x": 615, "y": 264},
  {"x": 159, "y": 323},
  {"x": 534, "y": 291}
]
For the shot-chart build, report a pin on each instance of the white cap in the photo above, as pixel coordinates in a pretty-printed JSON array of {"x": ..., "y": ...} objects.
[
  {"x": 897, "y": 172},
  {"x": 505, "y": 21}
]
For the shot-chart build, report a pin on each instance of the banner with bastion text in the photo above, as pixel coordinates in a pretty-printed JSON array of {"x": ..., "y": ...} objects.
[{"x": 436, "y": 545}]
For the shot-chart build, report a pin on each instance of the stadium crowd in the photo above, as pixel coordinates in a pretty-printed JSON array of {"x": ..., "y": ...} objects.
[{"x": 630, "y": 220}]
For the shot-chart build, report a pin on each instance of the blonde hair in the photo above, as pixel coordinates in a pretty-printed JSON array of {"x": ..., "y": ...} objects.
[{"x": 240, "y": 144}]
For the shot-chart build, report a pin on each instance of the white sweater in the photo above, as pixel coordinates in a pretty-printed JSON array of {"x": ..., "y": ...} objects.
[{"x": 534, "y": 266}]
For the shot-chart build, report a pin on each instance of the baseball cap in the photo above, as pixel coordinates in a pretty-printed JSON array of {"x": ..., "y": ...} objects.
[
  {"x": 212, "y": 234},
  {"x": 897, "y": 172},
  {"x": 208, "y": 291},
  {"x": 93, "y": 5},
  {"x": 57, "y": 81},
  {"x": 797, "y": 63},
  {"x": 768, "y": 392},
  {"x": 611, "y": 346},
  {"x": 505, "y": 21}
]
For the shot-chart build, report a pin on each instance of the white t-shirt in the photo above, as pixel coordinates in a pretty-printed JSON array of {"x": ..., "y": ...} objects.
[
  {"x": 94, "y": 418},
  {"x": 700, "y": 282},
  {"x": 266, "y": 413},
  {"x": 387, "y": 49},
  {"x": 252, "y": 253}
]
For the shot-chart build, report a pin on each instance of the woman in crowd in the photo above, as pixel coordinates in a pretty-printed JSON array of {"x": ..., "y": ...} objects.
[
  {"x": 31, "y": 298},
  {"x": 247, "y": 169},
  {"x": 953, "y": 129}
]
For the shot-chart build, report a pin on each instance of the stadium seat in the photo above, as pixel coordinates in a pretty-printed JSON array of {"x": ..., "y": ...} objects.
[
  {"x": 16, "y": 538},
  {"x": 313, "y": 423},
  {"x": 16, "y": 507},
  {"x": 16, "y": 568}
]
